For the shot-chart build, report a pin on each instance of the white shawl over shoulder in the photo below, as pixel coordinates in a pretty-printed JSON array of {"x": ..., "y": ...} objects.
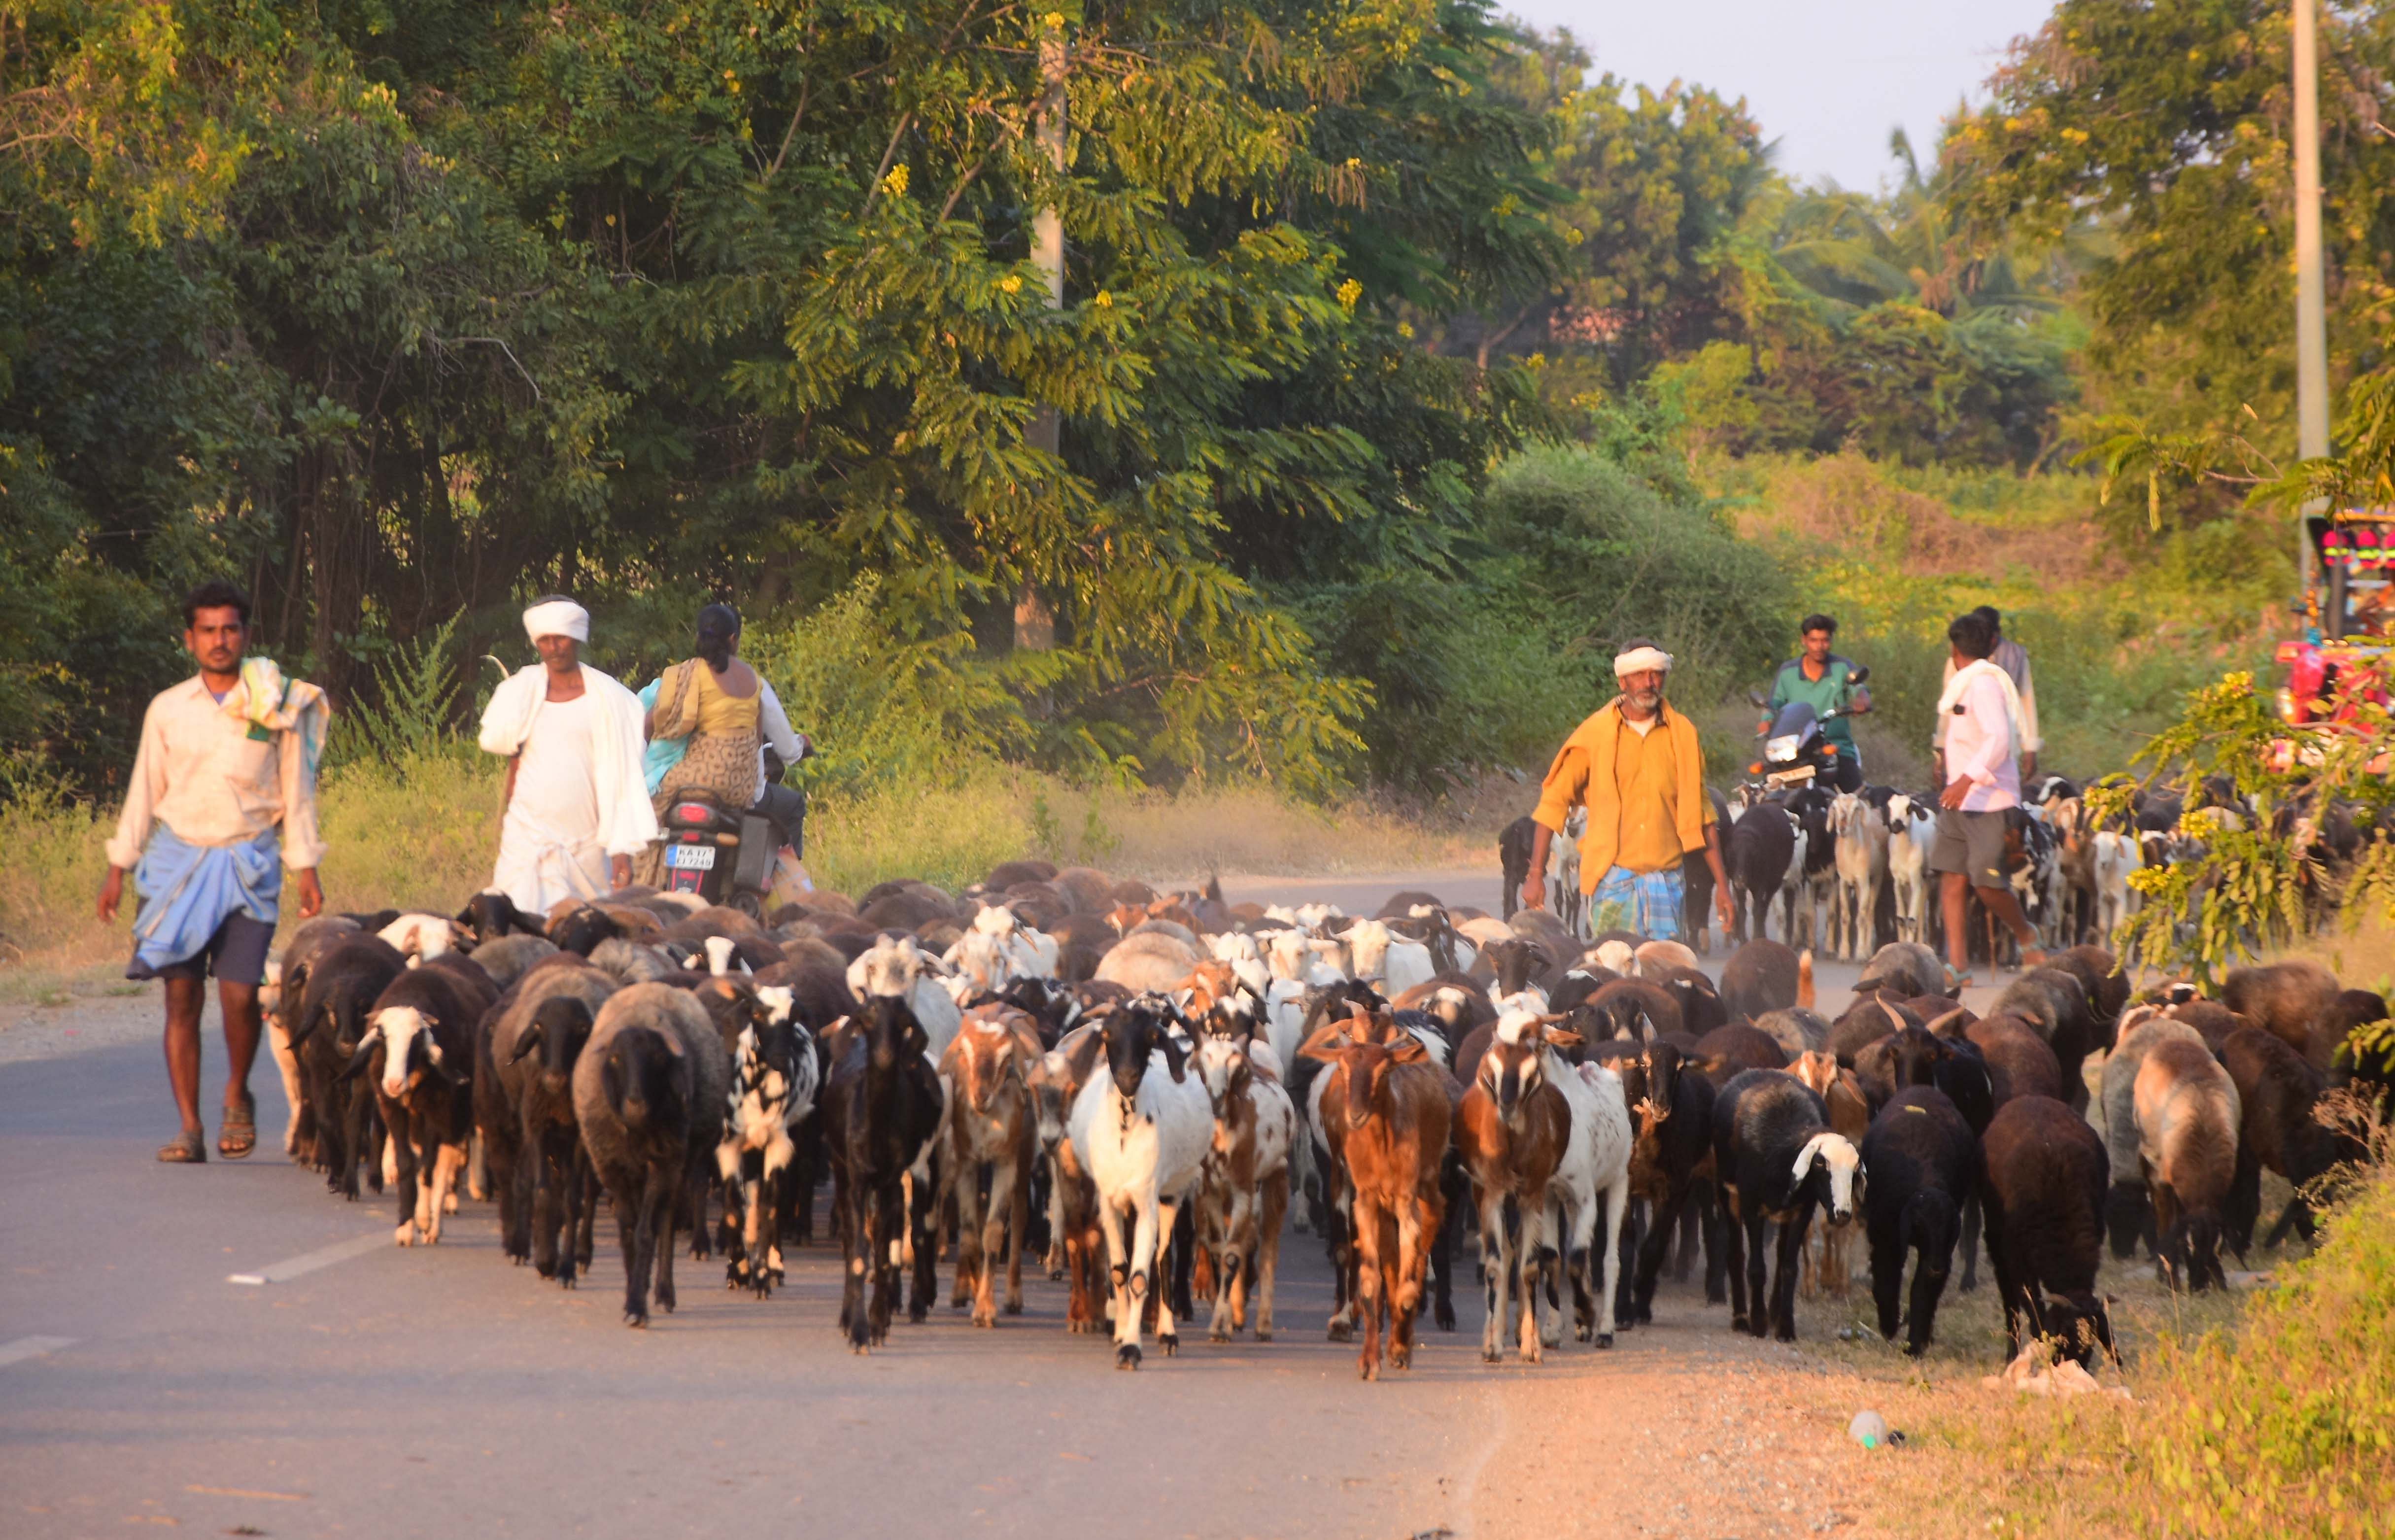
[{"x": 627, "y": 823}]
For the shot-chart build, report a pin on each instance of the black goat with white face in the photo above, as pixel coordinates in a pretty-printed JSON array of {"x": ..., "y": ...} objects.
[
  {"x": 883, "y": 1108},
  {"x": 419, "y": 1042},
  {"x": 774, "y": 1076},
  {"x": 1779, "y": 1160}
]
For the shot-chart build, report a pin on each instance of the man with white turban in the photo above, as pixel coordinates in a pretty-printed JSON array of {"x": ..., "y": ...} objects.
[
  {"x": 1636, "y": 767},
  {"x": 577, "y": 808}
]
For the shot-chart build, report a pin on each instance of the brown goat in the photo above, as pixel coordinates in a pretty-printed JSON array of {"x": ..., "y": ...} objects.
[
  {"x": 992, "y": 1125},
  {"x": 1833, "y": 1272},
  {"x": 1512, "y": 1131},
  {"x": 1399, "y": 1106}
]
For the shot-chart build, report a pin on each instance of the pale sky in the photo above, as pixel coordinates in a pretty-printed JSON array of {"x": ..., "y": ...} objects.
[{"x": 1828, "y": 79}]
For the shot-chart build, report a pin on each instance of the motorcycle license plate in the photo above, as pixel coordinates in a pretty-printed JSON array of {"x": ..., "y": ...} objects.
[
  {"x": 690, "y": 857},
  {"x": 1797, "y": 776}
]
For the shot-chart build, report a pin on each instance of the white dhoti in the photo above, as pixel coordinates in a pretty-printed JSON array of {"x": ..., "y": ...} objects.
[{"x": 579, "y": 797}]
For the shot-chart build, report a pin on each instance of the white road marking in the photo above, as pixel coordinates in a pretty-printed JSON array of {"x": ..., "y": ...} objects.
[
  {"x": 30, "y": 1347},
  {"x": 324, "y": 1256}
]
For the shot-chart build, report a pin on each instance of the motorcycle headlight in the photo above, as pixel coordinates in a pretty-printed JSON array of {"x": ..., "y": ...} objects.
[
  {"x": 1781, "y": 748},
  {"x": 2289, "y": 710}
]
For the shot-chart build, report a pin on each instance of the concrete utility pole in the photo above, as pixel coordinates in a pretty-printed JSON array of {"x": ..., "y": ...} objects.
[
  {"x": 1035, "y": 623},
  {"x": 2311, "y": 285}
]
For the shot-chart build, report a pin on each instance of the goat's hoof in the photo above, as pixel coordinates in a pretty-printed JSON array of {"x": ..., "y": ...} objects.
[
  {"x": 1055, "y": 1275},
  {"x": 1218, "y": 1334},
  {"x": 1341, "y": 1332},
  {"x": 1444, "y": 1316},
  {"x": 1264, "y": 1333},
  {"x": 985, "y": 1318},
  {"x": 1169, "y": 1343},
  {"x": 1604, "y": 1339},
  {"x": 1368, "y": 1369},
  {"x": 405, "y": 1235},
  {"x": 1488, "y": 1357},
  {"x": 1127, "y": 1355},
  {"x": 638, "y": 1320},
  {"x": 1013, "y": 1307}
]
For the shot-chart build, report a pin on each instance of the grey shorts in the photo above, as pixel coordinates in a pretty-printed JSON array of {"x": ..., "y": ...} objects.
[
  {"x": 1972, "y": 844},
  {"x": 236, "y": 954}
]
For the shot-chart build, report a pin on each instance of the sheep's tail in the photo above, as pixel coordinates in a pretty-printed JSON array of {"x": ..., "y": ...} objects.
[{"x": 1805, "y": 979}]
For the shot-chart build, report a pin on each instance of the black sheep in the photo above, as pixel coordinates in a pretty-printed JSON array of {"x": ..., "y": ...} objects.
[
  {"x": 2277, "y": 1089},
  {"x": 582, "y": 929},
  {"x": 1920, "y": 1164},
  {"x": 1700, "y": 1007},
  {"x": 1760, "y": 978},
  {"x": 523, "y": 1102},
  {"x": 649, "y": 1093},
  {"x": 2042, "y": 1179},
  {"x": 1778, "y": 1159},
  {"x": 342, "y": 985},
  {"x": 2351, "y": 1009},
  {"x": 2052, "y": 1002}
]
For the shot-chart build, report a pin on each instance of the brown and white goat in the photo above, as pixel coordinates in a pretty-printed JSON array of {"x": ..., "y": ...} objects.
[
  {"x": 1513, "y": 1130},
  {"x": 1244, "y": 1193},
  {"x": 994, "y": 1127},
  {"x": 1396, "y": 1105},
  {"x": 1078, "y": 1246},
  {"x": 1828, "y": 1269}
]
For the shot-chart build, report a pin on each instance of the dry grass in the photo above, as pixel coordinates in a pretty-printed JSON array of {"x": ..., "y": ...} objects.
[{"x": 2269, "y": 1412}]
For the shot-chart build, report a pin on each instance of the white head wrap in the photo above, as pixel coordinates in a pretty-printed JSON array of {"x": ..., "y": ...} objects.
[
  {"x": 1642, "y": 660},
  {"x": 557, "y": 617}
]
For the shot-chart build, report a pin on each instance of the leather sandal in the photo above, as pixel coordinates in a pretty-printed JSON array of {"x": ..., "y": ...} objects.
[
  {"x": 184, "y": 1150},
  {"x": 240, "y": 1133}
]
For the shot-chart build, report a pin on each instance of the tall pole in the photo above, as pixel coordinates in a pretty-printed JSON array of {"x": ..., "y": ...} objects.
[
  {"x": 1035, "y": 623},
  {"x": 2312, "y": 288}
]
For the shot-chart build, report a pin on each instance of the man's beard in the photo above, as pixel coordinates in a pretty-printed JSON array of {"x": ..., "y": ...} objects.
[{"x": 1649, "y": 702}]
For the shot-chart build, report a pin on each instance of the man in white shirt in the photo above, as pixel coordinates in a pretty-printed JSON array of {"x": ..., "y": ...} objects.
[
  {"x": 222, "y": 797},
  {"x": 2011, "y": 657},
  {"x": 577, "y": 809},
  {"x": 1981, "y": 717},
  {"x": 783, "y": 806}
]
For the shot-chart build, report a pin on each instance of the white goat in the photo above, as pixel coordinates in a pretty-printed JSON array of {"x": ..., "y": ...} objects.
[
  {"x": 1861, "y": 859},
  {"x": 897, "y": 966},
  {"x": 1912, "y": 829},
  {"x": 1145, "y": 1151},
  {"x": 1383, "y": 957},
  {"x": 2117, "y": 856}
]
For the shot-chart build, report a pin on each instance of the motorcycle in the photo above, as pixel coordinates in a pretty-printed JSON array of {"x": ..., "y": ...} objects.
[
  {"x": 720, "y": 854},
  {"x": 1795, "y": 751}
]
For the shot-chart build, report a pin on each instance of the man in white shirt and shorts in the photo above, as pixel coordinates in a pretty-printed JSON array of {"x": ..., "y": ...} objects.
[{"x": 1981, "y": 718}]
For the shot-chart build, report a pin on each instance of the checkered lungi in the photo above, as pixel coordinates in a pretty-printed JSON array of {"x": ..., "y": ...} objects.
[{"x": 1645, "y": 902}]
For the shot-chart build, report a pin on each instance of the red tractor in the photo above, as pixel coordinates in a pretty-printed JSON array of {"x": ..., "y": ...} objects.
[{"x": 2347, "y": 650}]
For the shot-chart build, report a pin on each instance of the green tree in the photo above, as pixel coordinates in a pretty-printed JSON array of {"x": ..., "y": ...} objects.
[{"x": 2168, "y": 123}]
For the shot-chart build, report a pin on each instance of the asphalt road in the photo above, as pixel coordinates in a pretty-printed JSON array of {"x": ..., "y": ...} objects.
[{"x": 379, "y": 1391}]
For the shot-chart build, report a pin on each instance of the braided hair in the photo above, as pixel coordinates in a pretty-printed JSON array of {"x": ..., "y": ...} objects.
[{"x": 719, "y": 626}]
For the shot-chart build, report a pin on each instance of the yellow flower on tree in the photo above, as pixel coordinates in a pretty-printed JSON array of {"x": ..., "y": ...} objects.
[
  {"x": 1349, "y": 292},
  {"x": 895, "y": 182},
  {"x": 1012, "y": 282}
]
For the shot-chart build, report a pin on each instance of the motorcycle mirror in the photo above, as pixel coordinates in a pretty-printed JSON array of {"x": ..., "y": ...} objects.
[
  {"x": 1754, "y": 698},
  {"x": 1857, "y": 674}
]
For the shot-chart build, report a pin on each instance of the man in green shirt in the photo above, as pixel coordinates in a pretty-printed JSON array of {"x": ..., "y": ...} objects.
[{"x": 1817, "y": 677}]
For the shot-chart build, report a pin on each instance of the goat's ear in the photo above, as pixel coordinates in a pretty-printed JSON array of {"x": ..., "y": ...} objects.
[
  {"x": 1408, "y": 1049},
  {"x": 1562, "y": 1037},
  {"x": 527, "y": 1044},
  {"x": 1083, "y": 1056},
  {"x": 358, "y": 1060},
  {"x": 1325, "y": 1045},
  {"x": 466, "y": 915},
  {"x": 1175, "y": 1061}
]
